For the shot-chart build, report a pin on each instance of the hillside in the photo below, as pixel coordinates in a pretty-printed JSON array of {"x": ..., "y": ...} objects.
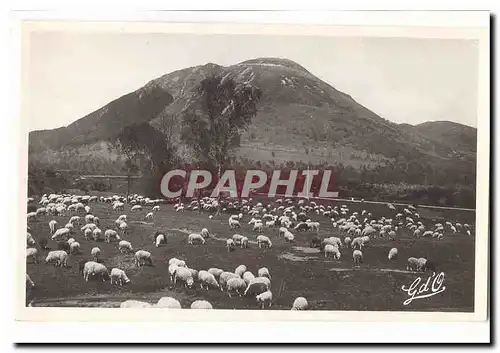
[{"x": 300, "y": 118}]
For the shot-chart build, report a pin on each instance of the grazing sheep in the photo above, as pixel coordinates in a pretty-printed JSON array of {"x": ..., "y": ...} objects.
[
  {"x": 224, "y": 278},
  {"x": 421, "y": 264},
  {"x": 234, "y": 223},
  {"x": 59, "y": 257},
  {"x": 347, "y": 241},
  {"x": 135, "y": 304},
  {"x": 180, "y": 263},
  {"x": 201, "y": 304},
  {"x": 240, "y": 270},
  {"x": 160, "y": 239},
  {"x": 74, "y": 248},
  {"x": 330, "y": 249},
  {"x": 282, "y": 231},
  {"x": 168, "y": 303},
  {"x": 208, "y": 280},
  {"x": 263, "y": 240},
  {"x": 52, "y": 226},
  {"x": 230, "y": 245},
  {"x": 393, "y": 254},
  {"x": 96, "y": 234},
  {"x": 29, "y": 240},
  {"x": 216, "y": 272},
  {"x": 149, "y": 216},
  {"x": 88, "y": 233},
  {"x": 89, "y": 218},
  {"x": 61, "y": 233},
  {"x": 205, "y": 233},
  {"x": 248, "y": 277},
  {"x": 357, "y": 256},
  {"x": 300, "y": 303},
  {"x": 258, "y": 227},
  {"x": 123, "y": 227},
  {"x": 258, "y": 285},
  {"x": 31, "y": 253},
  {"x": 244, "y": 242},
  {"x": 263, "y": 272},
  {"x": 289, "y": 237},
  {"x": 31, "y": 216},
  {"x": 143, "y": 257},
  {"x": 357, "y": 243},
  {"x": 194, "y": 237},
  {"x": 412, "y": 264},
  {"x": 263, "y": 298},
  {"x": 136, "y": 208},
  {"x": 125, "y": 246},
  {"x": 119, "y": 276},
  {"x": 235, "y": 285},
  {"x": 183, "y": 275},
  {"x": 156, "y": 208},
  {"x": 110, "y": 234},
  {"x": 95, "y": 252}
]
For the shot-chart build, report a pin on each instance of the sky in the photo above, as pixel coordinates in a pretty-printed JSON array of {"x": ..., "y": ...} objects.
[{"x": 404, "y": 80}]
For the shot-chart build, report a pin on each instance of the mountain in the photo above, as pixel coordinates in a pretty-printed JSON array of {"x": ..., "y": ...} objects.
[{"x": 300, "y": 118}]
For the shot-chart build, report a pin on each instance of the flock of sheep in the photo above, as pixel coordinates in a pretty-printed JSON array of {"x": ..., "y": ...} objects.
[{"x": 357, "y": 231}]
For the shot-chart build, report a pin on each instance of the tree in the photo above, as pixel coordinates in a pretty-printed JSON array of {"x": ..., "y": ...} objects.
[{"x": 214, "y": 131}]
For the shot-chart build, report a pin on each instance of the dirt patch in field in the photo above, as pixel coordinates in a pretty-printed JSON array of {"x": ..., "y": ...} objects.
[
  {"x": 294, "y": 257},
  {"x": 306, "y": 250}
]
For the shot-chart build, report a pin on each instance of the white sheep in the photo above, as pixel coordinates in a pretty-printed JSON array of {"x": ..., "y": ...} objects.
[
  {"x": 110, "y": 234},
  {"x": 92, "y": 268},
  {"x": 331, "y": 249},
  {"x": 393, "y": 254},
  {"x": 60, "y": 257},
  {"x": 52, "y": 226},
  {"x": 248, "y": 277},
  {"x": 289, "y": 237},
  {"x": 168, "y": 303},
  {"x": 136, "y": 208},
  {"x": 208, "y": 280},
  {"x": 125, "y": 246},
  {"x": 31, "y": 216},
  {"x": 412, "y": 264},
  {"x": 240, "y": 270},
  {"x": 234, "y": 223},
  {"x": 182, "y": 274},
  {"x": 174, "y": 260},
  {"x": 216, "y": 272},
  {"x": 30, "y": 241},
  {"x": 244, "y": 242},
  {"x": 87, "y": 233},
  {"x": 61, "y": 233},
  {"x": 357, "y": 256},
  {"x": 225, "y": 277},
  {"x": 263, "y": 298},
  {"x": 201, "y": 304},
  {"x": 263, "y": 272},
  {"x": 263, "y": 240},
  {"x": 300, "y": 303},
  {"x": 123, "y": 227},
  {"x": 282, "y": 231},
  {"x": 194, "y": 237},
  {"x": 31, "y": 253},
  {"x": 421, "y": 263},
  {"x": 75, "y": 220},
  {"x": 230, "y": 244},
  {"x": 235, "y": 285},
  {"x": 156, "y": 208},
  {"x": 135, "y": 304},
  {"x": 74, "y": 247},
  {"x": 258, "y": 227},
  {"x": 119, "y": 276},
  {"x": 149, "y": 216},
  {"x": 96, "y": 234},
  {"x": 95, "y": 252},
  {"x": 205, "y": 233},
  {"x": 160, "y": 239},
  {"x": 142, "y": 257},
  {"x": 89, "y": 219}
]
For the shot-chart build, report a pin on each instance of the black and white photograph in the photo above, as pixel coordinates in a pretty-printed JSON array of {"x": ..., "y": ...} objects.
[{"x": 258, "y": 170}]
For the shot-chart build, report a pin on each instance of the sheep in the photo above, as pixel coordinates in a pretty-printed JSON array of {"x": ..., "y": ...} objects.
[
  {"x": 160, "y": 239},
  {"x": 123, "y": 227},
  {"x": 230, "y": 244},
  {"x": 224, "y": 278},
  {"x": 30, "y": 241},
  {"x": 119, "y": 276},
  {"x": 207, "y": 279},
  {"x": 421, "y": 264},
  {"x": 88, "y": 233},
  {"x": 237, "y": 238},
  {"x": 216, "y": 272},
  {"x": 32, "y": 253},
  {"x": 182, "y": 274},
  {"x": 61, "y": 233},
  {"x": 95, "y": 252},
  {"x": 89, "y": 219},
  {"x": 205, "y": 233},
  {"x": 393, "y": 254},
  {"x": 234, "y": 223},
  {"x": 180, "y": 263},
  {"x": 289, "y": 237},
  {"x": 258, "y": 285},
  {"x": 31, "y": 216},
  {"x": 201, "y": 304},
  {"x": 149, "y": 216},
  {"x": 142, "y": 257},
  {"x": 263, "y": 298},
  {"x": 168, "y": 303},
  {"x": 258, "y": 227},
  {"x": 300, "y": 303},
  {"x": 244, "y": 242},
  {"x": 156, "y": 208},
  {"x": 135, "y": 304},
  {"x": 240, "y": 270},
  {"x": 347, "y": 241},
  {"x": 29, "y": 282},
  {"x": 52, "y": 226},
  {"x": 136, "y": 208},
  {"x": 75, "y": 220},
  {"x": 74, "y": 248},
  {"x": 110, "y": 234},
  {"x": 96, "y": 234},
  {"x": 357, "y": 256},
  {"x": 357, "y": 243},
  {"x": 412, "y": 264},
  {"x": 263, "y": 272},
  {"x": 237, "y": 285},
  {"x": 248, "y": 277},
  {"x": 60, "y": 257},
  {"x": 282, "y": 231},
  {"x": 331, "y": 249},
  {"x": 263, "y": 240},
  {"x": 194, "y": 237}
]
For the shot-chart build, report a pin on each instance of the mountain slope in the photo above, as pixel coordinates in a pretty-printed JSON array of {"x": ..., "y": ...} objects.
[{"x": 300, "y": 118}]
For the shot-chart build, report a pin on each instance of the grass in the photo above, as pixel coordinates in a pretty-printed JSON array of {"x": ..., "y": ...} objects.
[{"x": 296, "y": 269}]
